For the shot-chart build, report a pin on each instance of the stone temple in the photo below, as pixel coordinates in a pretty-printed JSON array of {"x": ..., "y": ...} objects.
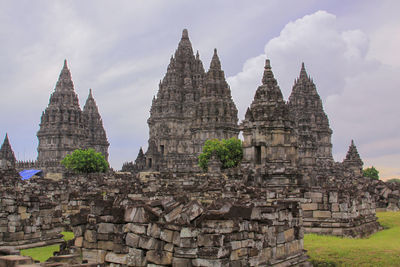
[
  {"x": 64, "y": 127},
  {"x": 191, "y": 107}
]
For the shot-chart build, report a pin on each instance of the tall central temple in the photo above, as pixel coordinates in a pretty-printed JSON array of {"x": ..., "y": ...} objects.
[{"x": 191, "y": 107}]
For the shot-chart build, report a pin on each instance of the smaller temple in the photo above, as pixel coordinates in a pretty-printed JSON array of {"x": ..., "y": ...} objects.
[
  {"x": 353, "y": 160},
  {"x": 311, "y": 122},
  {"x": 97, "y": 138},
  {"x": 7, "y": 157},
  {"x": 64, "y": 127},
  {"x": 270, "y": 140},
  {"x": 138, "y": 166}
]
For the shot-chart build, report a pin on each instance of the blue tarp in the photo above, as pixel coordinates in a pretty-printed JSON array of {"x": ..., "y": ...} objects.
[{"x": 26, "y": 174}]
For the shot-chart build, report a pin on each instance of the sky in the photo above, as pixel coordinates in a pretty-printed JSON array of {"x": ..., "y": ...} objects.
[{"x": 121, "y": 49}]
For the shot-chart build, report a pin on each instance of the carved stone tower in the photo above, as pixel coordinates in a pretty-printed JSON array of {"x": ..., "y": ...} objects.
[
  {"x": 97, "y": 138},
  {"x": 311, "y": 122},
  {"x": 65, "y": 128},
  {"x": 216, "y": 113},
  {"x": 7, "y": 157},
  {"x": 62, "y": 126},
  {"x": 353, "y": 160},
  {"x": 270, "y": 140}
]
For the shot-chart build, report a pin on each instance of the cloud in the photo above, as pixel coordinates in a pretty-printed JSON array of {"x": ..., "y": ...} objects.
[{"x": 359, "y": 92}]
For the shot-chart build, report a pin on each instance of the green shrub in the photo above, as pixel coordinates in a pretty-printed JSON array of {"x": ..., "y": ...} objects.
[
  {"x": 85, "y": 161},
  {"x": 371, "y": 173},
  {"x": 228, "y": 151}
]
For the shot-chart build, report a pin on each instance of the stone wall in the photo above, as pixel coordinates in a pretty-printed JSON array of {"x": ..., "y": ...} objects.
[
  {"x": 333, "y": 212},
  {"x": 180, "y": 232},
  {"x": 28, "y": 214}
]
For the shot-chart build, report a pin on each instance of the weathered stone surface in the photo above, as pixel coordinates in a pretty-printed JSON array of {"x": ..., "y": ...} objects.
[
  {"x": 106, "y": 228},
  {"x": 159, "y": 257},
  {"x": 136, "y": 257},
  {"x": 116, "y": 258}
]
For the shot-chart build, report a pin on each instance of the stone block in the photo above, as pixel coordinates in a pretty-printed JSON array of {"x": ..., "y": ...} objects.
[
  {"x": 135, "y": 228},
  {"x": 78, "y": 230},
  {"x": 188, "y": 242},
  {"x": 294, "y": 247},
  {"x": 210, "y": 262},
  {"x": 106, "y": 228},
  {"x": 238, "y": 253},
  {"x": 333, "y": 197},
  {"x": 116, "y": 258},
  {"x": 168, "y": 247},
  {"x": 174, "y": 214},
  {"x": 105, "y": 245},
  {"x": 93, "y": 255},
  {"x": 210, "y": 240},
  {"x": 78, "y": 241},
  {"x": 167, "y": 235},
  {"x": 13, "y": 260},
  {"x": 159, "y": 257},
  {"x": 136, "y": 257},
  {"x": 189, "y": 253},
  {"x": 279, "y": 251},
  {"x": 149, "y": 243},
  {"x": 219, "y": 227},
  {"x": 289, "y": 235},
  {"x": 91, "y": 236},
  {"x": 153, "y": 230},
  {"x": 213, "y": 252},
  {"x": 322, "y": 214},
  {"x": 137, "y": 215},
  {"x": 132, "y": 240},
  {"x": 309, "y": 206},
  {"x": 189, "y": 232},
  {"x": 181, "y": 262}
]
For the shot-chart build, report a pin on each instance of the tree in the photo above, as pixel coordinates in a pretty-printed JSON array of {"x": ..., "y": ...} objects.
[
  {"x": 228, "y": 151},
  {"x": 371, "y": 173},
  {"x": 85, "y": 161}
]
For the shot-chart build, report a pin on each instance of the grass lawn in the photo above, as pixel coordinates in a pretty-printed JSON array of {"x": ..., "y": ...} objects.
[
  {"x": 380, "y": 249},
  {"x": 43, "y": 253}
]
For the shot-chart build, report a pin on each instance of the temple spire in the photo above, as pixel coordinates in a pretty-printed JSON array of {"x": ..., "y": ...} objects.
[
  {"x": 268, "y": 76},
  {"x": 185, "y": 34},
  {"x": 215, "y": 62},
  {"x": 90, "y": 105},
  {"x": 352, "y": 153},
  {"x": 303, "y": 72},
  {"x": 7, "y": 157},
  {"x": 64, "y": 82},
  {"x": 185, "y": 50}
]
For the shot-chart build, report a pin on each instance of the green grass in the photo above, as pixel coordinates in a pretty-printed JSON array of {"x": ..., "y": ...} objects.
[
  {"x": 43, "y": 253},
  {"x": 380, "y": 249}
]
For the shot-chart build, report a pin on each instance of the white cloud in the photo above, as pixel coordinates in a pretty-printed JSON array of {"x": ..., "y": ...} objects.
[{"x": 360, "y": 93}]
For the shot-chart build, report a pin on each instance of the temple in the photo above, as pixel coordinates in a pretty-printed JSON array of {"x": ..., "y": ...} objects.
[
  {"x": 64, "y": 127},
  {"x": 191, "y": 107}
]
